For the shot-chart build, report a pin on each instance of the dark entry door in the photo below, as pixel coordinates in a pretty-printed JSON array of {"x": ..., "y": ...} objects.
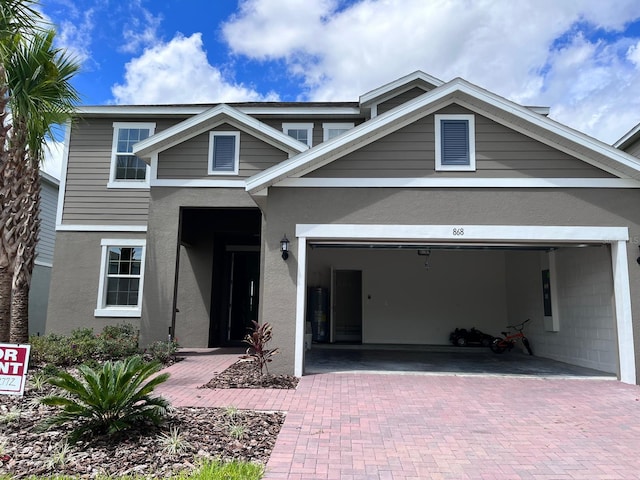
[{"x": 244, "y": 274}]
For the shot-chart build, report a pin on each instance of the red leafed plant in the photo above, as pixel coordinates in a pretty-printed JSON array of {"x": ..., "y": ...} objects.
[{"x": 258, "y": 351}]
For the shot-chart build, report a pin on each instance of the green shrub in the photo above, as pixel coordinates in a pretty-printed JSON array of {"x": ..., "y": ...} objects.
[
  {"x": 160, "y": 351},
  {"x": 118, "y": 341},
  {"x": 108, "y": 400}
]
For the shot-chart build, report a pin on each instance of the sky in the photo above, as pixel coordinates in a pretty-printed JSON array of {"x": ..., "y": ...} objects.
[{"x": 581, "y": 58}]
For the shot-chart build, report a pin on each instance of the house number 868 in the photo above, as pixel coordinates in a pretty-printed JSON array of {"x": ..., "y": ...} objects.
[{"x": 458, "y": 232}]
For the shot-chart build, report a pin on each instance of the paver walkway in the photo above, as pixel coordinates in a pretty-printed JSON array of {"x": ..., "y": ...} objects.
[{"x": 395, "y": 426}]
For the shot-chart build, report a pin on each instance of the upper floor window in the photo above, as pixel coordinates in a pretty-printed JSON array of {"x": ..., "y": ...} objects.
[
  {"x": 332, "y": 130},
  {"x": 127, "y": 170},
  {"x": 455, "y": 142},
  {"x": 224, "y": 153},
  {"x": 303, "y": 132}
]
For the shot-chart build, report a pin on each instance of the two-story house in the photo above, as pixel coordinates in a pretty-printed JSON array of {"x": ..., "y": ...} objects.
[{"x": 421, "y": 207}]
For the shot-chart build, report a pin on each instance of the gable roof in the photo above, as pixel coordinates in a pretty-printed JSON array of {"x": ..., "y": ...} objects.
[
  {"x": 403, "y": 84},
  {"x": 461, "y": 92},
  {"x": 210, "y": 118},
  {"x": 628, "y": 138}
]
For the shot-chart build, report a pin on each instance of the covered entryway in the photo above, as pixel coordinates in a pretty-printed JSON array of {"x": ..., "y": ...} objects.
[
  {"x": 420, "y": 282},
  {"x": 217, "y": 275}
]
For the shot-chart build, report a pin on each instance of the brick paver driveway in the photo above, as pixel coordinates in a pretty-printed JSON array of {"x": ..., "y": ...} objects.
[{"x": 383, "y": 426}]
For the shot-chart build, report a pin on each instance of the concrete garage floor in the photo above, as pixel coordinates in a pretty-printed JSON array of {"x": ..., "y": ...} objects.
[{"x": 437, "y": 360}]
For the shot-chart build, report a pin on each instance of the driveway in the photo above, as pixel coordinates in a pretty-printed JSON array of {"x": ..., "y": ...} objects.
[{"x": 409, "y": 426}]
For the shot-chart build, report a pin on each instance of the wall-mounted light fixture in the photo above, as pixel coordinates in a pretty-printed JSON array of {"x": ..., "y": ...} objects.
[{"x": 284, "y": 247}]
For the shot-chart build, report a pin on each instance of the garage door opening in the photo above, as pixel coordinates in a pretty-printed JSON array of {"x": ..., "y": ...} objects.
[{"x": 414, "y": 293}]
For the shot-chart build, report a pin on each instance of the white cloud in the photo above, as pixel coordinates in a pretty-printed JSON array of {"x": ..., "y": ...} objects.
[
  {"x": 141, "y": 31},
  {"x": 341, "y": 51},
  {"x": 75, "y": 36},
  {"x": 178, "y": 72},
  {"x": 52, "y": 163}
]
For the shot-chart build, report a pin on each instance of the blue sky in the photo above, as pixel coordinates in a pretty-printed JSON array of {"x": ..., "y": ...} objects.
[{"x": 579, "y": 57}]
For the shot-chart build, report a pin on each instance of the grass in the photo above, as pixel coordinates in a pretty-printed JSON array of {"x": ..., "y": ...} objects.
[{"x": 209, "y": 470}]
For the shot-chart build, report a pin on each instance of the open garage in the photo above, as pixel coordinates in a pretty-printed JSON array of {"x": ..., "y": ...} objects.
[{"x": 413, "y": 285}]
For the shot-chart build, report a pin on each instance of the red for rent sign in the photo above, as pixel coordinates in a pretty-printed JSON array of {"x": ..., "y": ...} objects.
[{"x": 14, "y": 360}]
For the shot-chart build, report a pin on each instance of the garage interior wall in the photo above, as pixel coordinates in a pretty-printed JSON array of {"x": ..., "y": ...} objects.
[
  {"x": 405, "y": 302},
  {"x": 587, "y": 326}
]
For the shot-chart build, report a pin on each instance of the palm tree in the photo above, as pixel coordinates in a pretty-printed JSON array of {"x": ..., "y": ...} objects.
[
  {"x": 40, "y": 98},
  {"x": 15, "y": 16}
]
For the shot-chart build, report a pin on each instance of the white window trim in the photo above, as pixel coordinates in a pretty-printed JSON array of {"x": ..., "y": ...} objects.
[
  {"x": 101, "y": 309},
  {"x": 472, "y": 143},
  {"x": 236, "y": 160},
  {"x": 300, "y": 126},
  {"x": 113, "y": 182},
  {"x": 334, "y": 126}
]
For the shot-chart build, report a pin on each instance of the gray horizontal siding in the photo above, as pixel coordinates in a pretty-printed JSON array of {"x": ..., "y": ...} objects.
[
  {"x": 88, "y": 201},
  {"x": 189, "y": 160},
  {"x": 399, "y": 99},
  {"x": 634, "y": 149},
  {"x": 47, "y": 237},
  {"x": 500, "y": 152}
]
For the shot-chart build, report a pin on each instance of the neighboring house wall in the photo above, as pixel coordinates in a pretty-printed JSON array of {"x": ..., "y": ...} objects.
[
  {"x": 500, "y": 152},
  {"x": 290, "y": 206},
  {"x": 39, "y": 290}
]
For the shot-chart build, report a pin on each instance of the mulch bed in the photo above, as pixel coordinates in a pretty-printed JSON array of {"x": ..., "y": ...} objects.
[
  {"x": 203, "y": 433},
  {"x": 244, "y": 374}
]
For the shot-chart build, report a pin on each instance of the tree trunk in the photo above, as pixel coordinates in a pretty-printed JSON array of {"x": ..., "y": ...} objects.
[
  {"x": 19, "y": 332},
  {"x": 27, "y": 237},
  {"x": 6, "y": 279}
]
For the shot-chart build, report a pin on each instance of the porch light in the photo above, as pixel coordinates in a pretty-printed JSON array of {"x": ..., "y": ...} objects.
[{"x": 284, "y": 247}]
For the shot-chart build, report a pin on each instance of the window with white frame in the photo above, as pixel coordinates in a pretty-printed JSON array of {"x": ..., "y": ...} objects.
[
  {"x": 127, "y": 170},
  {"x": 332, "y": 130},
  {"x": 121, "y": 278},
  {"x": 455, "y": 142},
  {"x": 224, "y": 153},
  {"x": 303, "y": 132}
]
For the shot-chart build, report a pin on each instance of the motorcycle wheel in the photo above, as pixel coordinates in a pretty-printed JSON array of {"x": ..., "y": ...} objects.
[
  {"x": 461, "y": 342},
  {"x": 497, "y": 346}
]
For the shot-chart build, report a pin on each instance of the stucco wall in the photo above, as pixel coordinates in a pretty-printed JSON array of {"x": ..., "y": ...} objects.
[
  {"x": 288, "y": 207},
  {"x": 74, "y": 282}
]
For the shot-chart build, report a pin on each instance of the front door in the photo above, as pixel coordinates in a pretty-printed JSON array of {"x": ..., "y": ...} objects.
[{"x": 242, "y": 306}]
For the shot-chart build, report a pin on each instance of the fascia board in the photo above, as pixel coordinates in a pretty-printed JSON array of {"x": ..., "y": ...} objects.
[
  {"x": 628, "y": 138},
  {"x": 177, "y": 110},
  {"x": 198, "y": 124},
  {"x": 49, "y": 179},
  {"x": 384, "y": 89}
]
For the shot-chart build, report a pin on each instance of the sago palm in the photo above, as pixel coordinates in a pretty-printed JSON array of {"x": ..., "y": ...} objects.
[
  {"x": 109, "y": 399},
  {"x": 41, "y": 97}
]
